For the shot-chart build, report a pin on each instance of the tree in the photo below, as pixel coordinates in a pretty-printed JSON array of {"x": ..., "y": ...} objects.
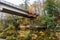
[
  {"x": 51, "y": 10},
  {"x": 26, "y": 4},
  {"x": 37, "y": 6},
  {"x": 58, "y": 5},
  {"x": 31, "y": 9}
]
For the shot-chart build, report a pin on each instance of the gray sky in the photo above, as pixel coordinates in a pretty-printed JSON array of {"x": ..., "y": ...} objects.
[{"x": 17, "y": 2}]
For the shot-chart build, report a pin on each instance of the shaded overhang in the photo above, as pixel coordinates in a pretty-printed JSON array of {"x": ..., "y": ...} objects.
[{"x": 12, "y": 9}]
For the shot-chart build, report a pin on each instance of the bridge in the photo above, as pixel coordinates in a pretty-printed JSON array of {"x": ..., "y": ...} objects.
[{"x": 15, "y": 10}]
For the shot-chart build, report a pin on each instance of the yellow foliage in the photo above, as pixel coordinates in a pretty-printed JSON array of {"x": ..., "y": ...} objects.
[
  {"x": 41, "y": 33},
  {"x": 22, "y": 27},
  {"x": 31, "y": 9},
  {"x": 37, "y": 5},
  {"x": 22, "y": 34},
  {"x": 34, "y": 36}
]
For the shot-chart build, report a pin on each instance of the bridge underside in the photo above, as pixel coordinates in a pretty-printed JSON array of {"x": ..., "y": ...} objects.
[{"x": 18, "y": 14}]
